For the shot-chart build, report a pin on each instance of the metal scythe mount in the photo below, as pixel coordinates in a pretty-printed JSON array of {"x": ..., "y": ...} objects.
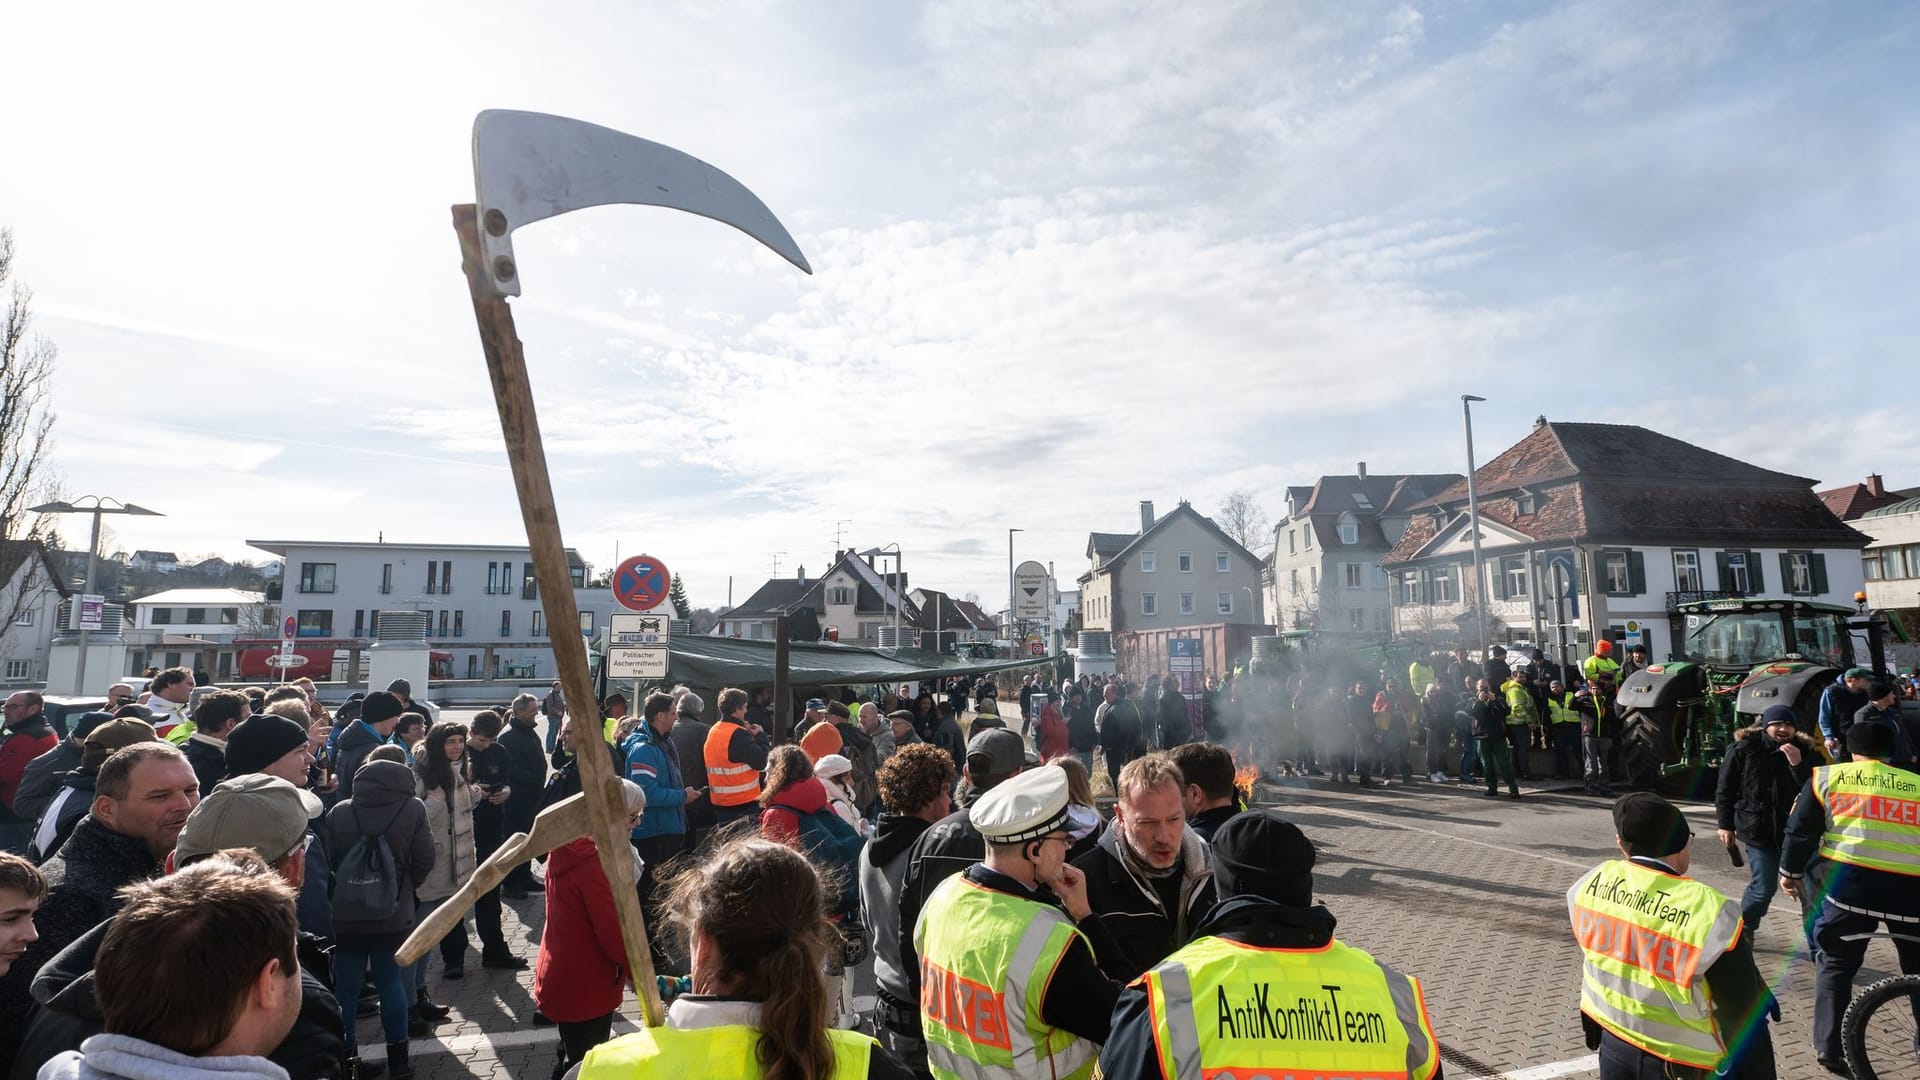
[{"x": 529, "y": 167}]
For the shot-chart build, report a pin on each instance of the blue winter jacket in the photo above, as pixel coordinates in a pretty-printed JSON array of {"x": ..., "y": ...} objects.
[{"x": 654, "y": 764}]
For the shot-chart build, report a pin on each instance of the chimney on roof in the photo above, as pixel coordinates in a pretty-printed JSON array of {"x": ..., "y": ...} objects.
[
  {"x": 1540, "y": 421},
  {"x": 1875, "y": 485},
  {"x": 1146, "y": 514},
  {"x": 1362, "y": 470},
  {"x": 801, "y": 574}
]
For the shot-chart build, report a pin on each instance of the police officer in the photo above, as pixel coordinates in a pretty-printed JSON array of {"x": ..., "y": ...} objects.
[
  {"x": 1667, "y": 973},
  {"x": 1008, "y": 982},
  {"x": 1204, "y": 1011},
  {"x": 1857, "y": 817}
]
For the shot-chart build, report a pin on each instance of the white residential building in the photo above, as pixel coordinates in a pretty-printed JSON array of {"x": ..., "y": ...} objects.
[
  {"x": 195, "y": 628},
  {"x": 30, "y": 594},
  {"x": 1602, "y": 530},
  {"x": 482, "y": 603}
]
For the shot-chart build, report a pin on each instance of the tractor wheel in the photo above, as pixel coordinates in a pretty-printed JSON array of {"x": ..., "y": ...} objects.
[{"x": 1648, "y": 743}]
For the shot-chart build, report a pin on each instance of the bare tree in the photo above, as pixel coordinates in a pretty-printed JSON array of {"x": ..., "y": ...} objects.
[
  {"x": 257, "y": 621},
  {"x": 1243, "y": 519},
  {"x": 26, "y": 424}
]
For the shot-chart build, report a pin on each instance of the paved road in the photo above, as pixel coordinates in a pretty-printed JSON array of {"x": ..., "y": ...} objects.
[{"x": 1466, "y": 892}]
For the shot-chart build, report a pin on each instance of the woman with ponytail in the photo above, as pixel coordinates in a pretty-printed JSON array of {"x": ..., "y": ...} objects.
[{"x": 755, "y": 920}]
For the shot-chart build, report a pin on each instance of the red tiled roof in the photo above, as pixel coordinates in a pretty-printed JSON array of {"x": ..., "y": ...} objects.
[
  {"x": 1848, "y": 503},
  {"x": 1559, "y": 450},
  {"x": 1608, "y": 483}
]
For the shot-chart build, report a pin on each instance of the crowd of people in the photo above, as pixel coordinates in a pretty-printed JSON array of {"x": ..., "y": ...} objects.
[{"x": 1013, "y": 928}]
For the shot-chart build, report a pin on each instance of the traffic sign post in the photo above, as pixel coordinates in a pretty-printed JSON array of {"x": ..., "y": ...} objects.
[
  {"x": 637, "y": 662},
  {"x": 1030, "y": 590},
  {"x": 630, "y": 630},
  {"x": 290, "y": 626},
  {"x": 641, "y": 583}
]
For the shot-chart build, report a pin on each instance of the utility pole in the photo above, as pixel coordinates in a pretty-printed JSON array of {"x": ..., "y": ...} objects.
[{"x": 1473, "y": 523}]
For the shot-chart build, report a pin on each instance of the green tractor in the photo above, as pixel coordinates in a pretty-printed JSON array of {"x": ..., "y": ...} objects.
[{"x": 1732, "y": 660}]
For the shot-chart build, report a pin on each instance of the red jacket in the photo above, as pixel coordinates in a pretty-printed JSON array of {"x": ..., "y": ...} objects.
[
  {"x": 1053, "y": 733},
  {"x": 24, "y": 742},
  {"x": 581, "y": 972},
  {"x": 807, "y": 796}
]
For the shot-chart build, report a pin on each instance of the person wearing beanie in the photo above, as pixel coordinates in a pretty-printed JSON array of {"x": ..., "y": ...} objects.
[
  {"x": 1853, "y": 835},
  {"x": 379, "y": 711},
  {"x": 1023, "y": 891},
  {"x": 819, "y": 741},
  {"x": 1601, "y": 667},
  {"x": 1266, "y": 930},
  {"x": 274, "y": 745},
  {"x": 1668, "y": 983},
  {"x": 1883, "y": 708},
  {"x": 73, "y": 800},
  {"x": 41, "y": 779},
  {"x": 1763, "y": 771}
]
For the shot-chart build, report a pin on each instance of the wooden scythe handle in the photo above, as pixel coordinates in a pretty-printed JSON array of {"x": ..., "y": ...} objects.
[
  {"x": 520, "y": 425},
  {"x": 561, "y": 823}
]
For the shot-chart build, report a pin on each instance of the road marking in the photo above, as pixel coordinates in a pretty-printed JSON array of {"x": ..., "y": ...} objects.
[
  {"x": 1570, "y": 1067},
  {"x": 1389, "y": 820}
]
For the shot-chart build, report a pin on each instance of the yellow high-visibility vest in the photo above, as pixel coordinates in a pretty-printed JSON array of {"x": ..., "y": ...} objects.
[
  {"x": 1873, "y": 816},
  {"x": 1648, "y": 938},
  {"x": 985, "y": 961},
  {"x": 1334, "y": 1011},
  {"x": 1562, "y": 708},
  {"x": 727, "y": 1052}
]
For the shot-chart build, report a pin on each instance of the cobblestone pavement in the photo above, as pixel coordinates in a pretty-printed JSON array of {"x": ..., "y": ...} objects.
[{"x": 1465, "y": 892}]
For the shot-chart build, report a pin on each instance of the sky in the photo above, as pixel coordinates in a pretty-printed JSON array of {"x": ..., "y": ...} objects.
[{"x": 1067, "y": 256}]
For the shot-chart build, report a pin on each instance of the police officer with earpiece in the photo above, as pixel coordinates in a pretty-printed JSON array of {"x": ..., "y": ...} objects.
[{"x": 1008, "y": 982}]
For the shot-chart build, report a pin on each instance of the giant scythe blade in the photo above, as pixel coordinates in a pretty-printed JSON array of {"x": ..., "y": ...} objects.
[{"x": 530, "y": 166}]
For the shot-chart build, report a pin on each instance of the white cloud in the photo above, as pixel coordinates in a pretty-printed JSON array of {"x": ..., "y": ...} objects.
[{"x": 1069, "y": 255}]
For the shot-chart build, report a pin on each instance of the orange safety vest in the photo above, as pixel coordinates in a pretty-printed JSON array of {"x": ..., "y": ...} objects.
[{"x": 729, "y": 782}]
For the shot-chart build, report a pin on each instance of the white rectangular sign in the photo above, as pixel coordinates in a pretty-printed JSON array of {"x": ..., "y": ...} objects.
[
  {"x": 641, "y": 629},
  {"x": 637, "y": 662}
]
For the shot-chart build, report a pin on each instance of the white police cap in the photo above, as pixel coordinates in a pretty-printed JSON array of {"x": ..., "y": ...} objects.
[{"x": 1025, "y": 807}]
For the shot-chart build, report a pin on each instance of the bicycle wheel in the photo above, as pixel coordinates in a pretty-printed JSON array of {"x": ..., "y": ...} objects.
[{"x": 1881, "y": 1031}]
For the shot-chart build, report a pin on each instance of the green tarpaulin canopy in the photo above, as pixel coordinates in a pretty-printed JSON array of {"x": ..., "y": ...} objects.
[{"x": 716, "y": 661}]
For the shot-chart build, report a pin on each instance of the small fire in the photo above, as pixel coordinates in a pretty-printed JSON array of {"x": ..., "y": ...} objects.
[{"x": 1246, "y": 778}]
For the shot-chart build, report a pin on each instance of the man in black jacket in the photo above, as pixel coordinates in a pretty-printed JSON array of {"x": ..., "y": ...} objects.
[
  {"x": 952, "y": 844},
  {"x": 379, "y": 711},
  {"x": 213, "y": 718},
  {"x": 1121, "y": 727},
  {"x": 487, "y": 765},
  {"x": 527, "y": 776},
  {"x": 142, "y": 798},
  {"x": 1171, "y": 711},
  {"x": 1763, "y": 772},
  {"x": 1149, "y": 877},
  {"x": 266, "y": 815}
]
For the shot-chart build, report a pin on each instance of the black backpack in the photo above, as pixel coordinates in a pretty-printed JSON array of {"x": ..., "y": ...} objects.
[{"x": 366, "y": 888}]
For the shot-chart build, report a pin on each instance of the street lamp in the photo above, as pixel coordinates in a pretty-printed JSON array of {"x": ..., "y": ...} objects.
[
  {"x": 899, "y": 585},
  {"x": 1010, "y": 647},
  {"x": 1473, "y": 523},
  {"x": 100, "y": 506}
]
